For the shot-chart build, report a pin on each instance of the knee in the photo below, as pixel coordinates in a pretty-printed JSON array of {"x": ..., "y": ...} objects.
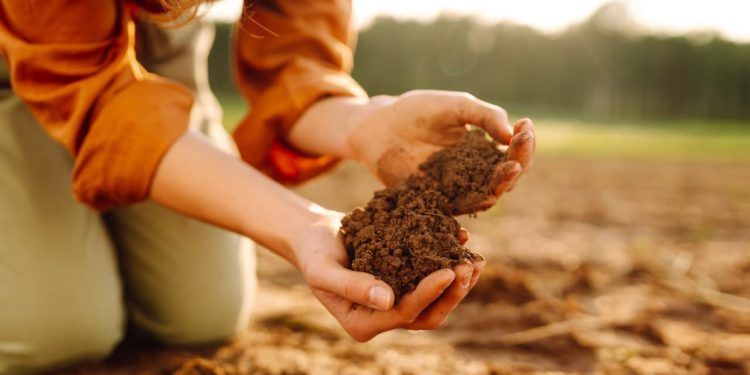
[
  {"x": 206, "y": 324},
  {"x": 57, "y": 336},
  {"x": 208, "y": 314}
]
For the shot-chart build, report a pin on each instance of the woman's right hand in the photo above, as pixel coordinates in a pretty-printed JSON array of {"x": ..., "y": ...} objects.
[
  {"x": 363, "y": 304},
  {"x": 198, "y": 180}
]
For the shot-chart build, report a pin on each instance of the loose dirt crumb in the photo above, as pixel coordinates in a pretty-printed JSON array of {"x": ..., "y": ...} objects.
[
  {"x": 464, "y": 172},
  {"x": 203, "y": 366},
  {"x": 408, "y": 231}
]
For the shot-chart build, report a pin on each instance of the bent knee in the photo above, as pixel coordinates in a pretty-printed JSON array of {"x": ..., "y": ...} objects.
[
  {"x": 30, "y": 344},
  {"x": 197, "y": 317}
]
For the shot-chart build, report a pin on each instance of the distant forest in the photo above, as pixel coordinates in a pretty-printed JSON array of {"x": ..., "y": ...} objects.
[{"x": 601, "y": 68}]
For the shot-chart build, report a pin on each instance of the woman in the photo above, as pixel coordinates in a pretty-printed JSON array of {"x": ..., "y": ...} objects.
[{"x": 93, "y": 90}]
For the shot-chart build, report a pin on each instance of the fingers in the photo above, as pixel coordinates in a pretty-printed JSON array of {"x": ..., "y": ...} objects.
[
  {"x": 491, "y": 118},
  {"x": 524, "y": 124},
  {"x": 522, "y": 147},
  {"x": 358, "y": 287},
  {"x": 494, "y": 120},
  {"x": 428, "y": 290},
  {"x": 478, "y": 267},
  {"x": 435, "y": 315},
  {"x": 505, "y": 176},
  {"x": 520, "y": 157},
  {"x": 463, "y": 236},
  {"x": 363, "y": 324},
  {"x": 463, "y": 108},
  {"x": 523, "y": 144}
]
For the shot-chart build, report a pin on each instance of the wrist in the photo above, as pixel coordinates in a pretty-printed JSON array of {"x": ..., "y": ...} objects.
[
  {"x": 325, "y": 127},
  {"x": 346, "y": 112},
  {"x": 369, "y": 124},
  {"x": 282, "y": 230},
  {"x": 318, "y": 226}
]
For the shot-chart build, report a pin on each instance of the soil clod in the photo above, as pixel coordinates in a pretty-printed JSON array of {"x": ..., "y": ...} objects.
[{"x": 408, "y": 231}]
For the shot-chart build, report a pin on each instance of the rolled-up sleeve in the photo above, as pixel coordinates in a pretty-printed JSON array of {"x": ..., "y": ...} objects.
[
  {"x": 73, "y": 64},
  {"x": 290, "y": 53}
]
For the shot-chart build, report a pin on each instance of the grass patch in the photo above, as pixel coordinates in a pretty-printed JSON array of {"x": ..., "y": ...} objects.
[
  {"x": 670, "y": 140},
  {"x": 678, "y": 141}
]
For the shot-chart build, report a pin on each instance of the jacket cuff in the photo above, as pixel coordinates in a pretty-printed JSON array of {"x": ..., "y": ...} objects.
[
  {"x": 127, "y": 139},
  {"x": 260, "y": 136}
]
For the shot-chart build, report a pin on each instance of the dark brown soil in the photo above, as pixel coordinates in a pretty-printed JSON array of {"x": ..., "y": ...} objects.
[
  {"x": 407, "y": 231},
  {"x": 464, "y": 172}
]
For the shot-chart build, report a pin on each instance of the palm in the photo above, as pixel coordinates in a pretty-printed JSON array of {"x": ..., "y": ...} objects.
[
  {"x": 405, "y": 145},
  {"x": 345, "y": 293},
  {"x": 402, "y": 132},
  {"x": 392, "y": 136}
]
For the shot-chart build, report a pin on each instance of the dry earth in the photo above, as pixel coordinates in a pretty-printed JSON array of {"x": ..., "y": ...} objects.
[{"x": 594, "y": 267}]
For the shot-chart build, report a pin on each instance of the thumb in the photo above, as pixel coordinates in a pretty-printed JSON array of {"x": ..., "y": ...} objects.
[{"x": 359, "y": 287}]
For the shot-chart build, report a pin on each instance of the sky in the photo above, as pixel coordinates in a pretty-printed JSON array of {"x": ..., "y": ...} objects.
[{"x": 729, "y": 17}]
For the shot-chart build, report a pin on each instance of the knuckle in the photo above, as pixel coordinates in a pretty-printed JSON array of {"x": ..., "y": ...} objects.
[
  {"x": 382, "y": 100},
  {"x": 349, "y": 290},
  {"x": 359, "y": 335},
  {"x": 461, "y": 101}
]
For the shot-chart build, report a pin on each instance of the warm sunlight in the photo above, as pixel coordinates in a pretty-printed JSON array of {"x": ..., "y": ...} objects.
[
  {"x": 443, "y": 187},
  {"x": 726, "y": 16}
]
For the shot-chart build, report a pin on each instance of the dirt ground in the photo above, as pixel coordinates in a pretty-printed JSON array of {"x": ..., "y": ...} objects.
[{"x": 605, "y": 266}]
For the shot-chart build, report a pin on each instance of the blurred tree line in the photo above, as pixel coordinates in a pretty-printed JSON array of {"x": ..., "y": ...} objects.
[{"x": 603, "y": 67}]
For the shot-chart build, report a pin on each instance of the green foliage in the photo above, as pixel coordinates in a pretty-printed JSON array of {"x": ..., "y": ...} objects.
[
  {"x": 663, "y": 140},
  {"x": 599, "y": 69},
  {"x": 677, "y": 141}
]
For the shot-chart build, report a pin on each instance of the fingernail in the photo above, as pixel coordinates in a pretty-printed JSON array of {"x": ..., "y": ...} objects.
[
  {"x": 379, "y": 298},
  {"x": 523, "y": 137},
  {"x": 520, "y": 124},
  {"x": 466, "y": 279},
  {"x": 516, "y": 169}
]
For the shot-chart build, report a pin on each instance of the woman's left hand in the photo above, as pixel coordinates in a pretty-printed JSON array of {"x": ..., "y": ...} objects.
[{"x": 392, "y": 135}]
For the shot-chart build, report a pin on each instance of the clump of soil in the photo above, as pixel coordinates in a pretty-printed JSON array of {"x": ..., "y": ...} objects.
[
  {"x": 464, "y": 172},
  {"x": 408, "y": 231}
]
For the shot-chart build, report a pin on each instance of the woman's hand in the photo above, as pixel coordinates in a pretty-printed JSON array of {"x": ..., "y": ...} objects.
[
  {"x": 392, "y": 135},
  {"x": 197, "y": 179},
  {"x": 396, "y": 134},
  {"x": 362, "y": 304}
]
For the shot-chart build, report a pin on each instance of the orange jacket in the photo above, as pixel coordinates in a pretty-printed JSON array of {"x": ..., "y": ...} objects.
[{"x": 73, "y": 64}]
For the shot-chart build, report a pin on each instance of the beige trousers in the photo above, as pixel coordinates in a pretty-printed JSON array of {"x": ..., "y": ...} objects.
[{"x": 69, "y": 277}]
